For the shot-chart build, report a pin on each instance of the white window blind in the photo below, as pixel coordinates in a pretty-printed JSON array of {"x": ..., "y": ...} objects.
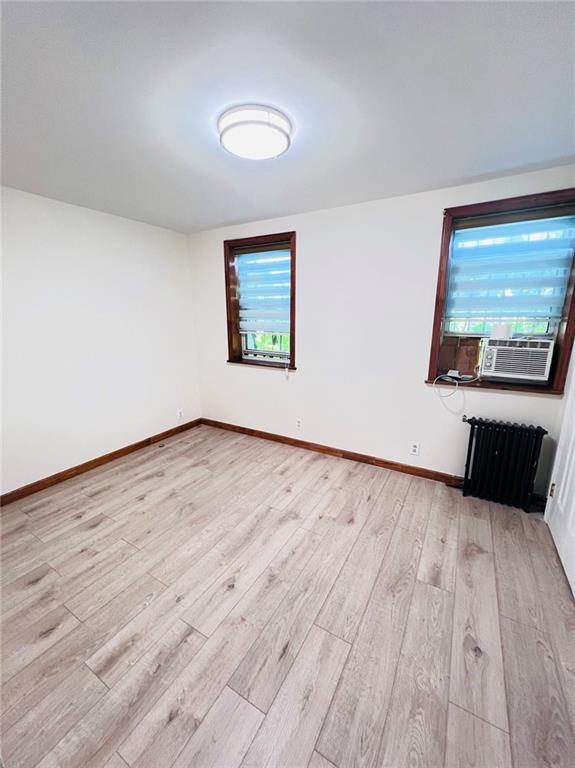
[
  {"x": 264, "y": 291},
  {"x": 510, "y": 272}
]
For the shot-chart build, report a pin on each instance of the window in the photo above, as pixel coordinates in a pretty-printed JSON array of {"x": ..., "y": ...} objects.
[
  {"x": 511, "y": 262},
  {"x": 260, "y": 292}
]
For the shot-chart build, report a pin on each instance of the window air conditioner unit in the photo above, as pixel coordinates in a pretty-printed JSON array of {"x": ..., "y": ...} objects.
[{"x": 518, "y": 359}]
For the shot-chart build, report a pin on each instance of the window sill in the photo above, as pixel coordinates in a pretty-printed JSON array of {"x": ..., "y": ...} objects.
[
  {"x": 263, "y": 364},
  {"x": 532, "y": 389}
]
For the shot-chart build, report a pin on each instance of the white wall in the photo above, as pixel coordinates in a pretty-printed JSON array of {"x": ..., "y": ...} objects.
[
  {"x": 366, "y": 280},
  {"x": 98, "y": 335}
]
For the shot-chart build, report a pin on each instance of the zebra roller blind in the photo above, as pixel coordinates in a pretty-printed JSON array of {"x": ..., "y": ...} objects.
[
  {"x": 515, "y": 273},
  {"x": 264, "y": 291}
]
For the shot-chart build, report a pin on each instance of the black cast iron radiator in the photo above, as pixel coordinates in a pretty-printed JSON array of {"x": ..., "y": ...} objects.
[{"x": 502, "y": 461}]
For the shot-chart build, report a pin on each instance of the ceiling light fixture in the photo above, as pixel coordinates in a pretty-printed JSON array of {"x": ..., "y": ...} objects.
[{"x": 255, "y": 132}]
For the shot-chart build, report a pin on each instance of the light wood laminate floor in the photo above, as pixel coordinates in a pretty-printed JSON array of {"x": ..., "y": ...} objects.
[{"x": 217, "y": 601}]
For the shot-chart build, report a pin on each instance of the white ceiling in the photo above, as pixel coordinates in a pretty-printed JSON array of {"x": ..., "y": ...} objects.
[{"x": 113, "y": 105}]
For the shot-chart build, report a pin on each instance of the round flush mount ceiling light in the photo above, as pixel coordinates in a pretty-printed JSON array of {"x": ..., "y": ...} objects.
[{"x": 255, "y": 132}]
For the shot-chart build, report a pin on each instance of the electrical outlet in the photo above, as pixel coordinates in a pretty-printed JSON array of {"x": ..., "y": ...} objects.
[
  {"x": 298, "y": 424},
  {"x": 180, "y": 415},
  {"x": 414, "y": 449}
]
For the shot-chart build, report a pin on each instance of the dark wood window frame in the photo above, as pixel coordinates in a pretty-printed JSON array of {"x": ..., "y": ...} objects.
[
  {"x": 516, "y": 207},
  {"x": 232, "y": 296}
]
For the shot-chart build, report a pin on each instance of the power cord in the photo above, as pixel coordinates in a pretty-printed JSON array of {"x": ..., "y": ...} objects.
[{"x": 457, "y": 381}]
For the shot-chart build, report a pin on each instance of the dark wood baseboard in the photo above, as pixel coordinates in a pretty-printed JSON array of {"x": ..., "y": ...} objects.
[
  {"x": 66, "y": 474},
  {"x": 431, "y": 474}
]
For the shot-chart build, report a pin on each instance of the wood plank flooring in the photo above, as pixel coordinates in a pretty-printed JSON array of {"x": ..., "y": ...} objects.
[{"x": 220, "y": 601}]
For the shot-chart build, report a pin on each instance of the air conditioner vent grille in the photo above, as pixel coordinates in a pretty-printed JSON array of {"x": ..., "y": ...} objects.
[
  {"x": 520, "y": 343},
  {"x": 531, "y": 361}
]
